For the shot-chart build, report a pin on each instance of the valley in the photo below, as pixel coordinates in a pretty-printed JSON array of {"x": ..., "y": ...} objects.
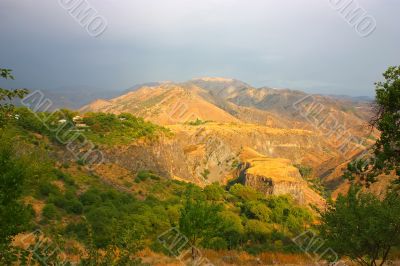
[
  {"x": 199, "y": 133},
  {"x": 214, "y": 121},
  {"x": 258, "y": 165}
]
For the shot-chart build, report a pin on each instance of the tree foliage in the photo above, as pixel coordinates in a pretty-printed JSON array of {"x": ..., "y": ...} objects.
[
  {"x": 14, "y": 215},
  {"x": 115, "y": 129},
  {"x": 199, "y": 219},
  {"x": 362, "y": 227},
  {"x": 387, "y": 148},
  {"x": 386, "y": 152},
  {"x": 6, "y": 97}
]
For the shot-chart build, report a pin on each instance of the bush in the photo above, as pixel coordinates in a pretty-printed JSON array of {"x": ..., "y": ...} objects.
[
  {"x": 217, "y": 243},
  {"x": 74, "y": 206},
  {"x": 143, "y": 175},
  {"x": 79, "y": 229},
  {"x": 50, "y": 212},
  {"x": 258, "y": 210},
  {"x": 245, "y": 192},
  {"x": 113, "y": 129},
  {"x": 305, "y": 171},
  {"x": 59, "y": 200},
  {"x": 214, "y": 192},
  {"x": 90, "y": 197},
  {"x": 257, "y": 230},
  {"x": 101, "y": 220},
  {"x": 197, "y": 122},
  {"x": 45, "y": 189},
  {"x": 27, "y": 120}
]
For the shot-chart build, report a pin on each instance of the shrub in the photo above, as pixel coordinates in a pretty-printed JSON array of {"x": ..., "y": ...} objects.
[
  {"x": 197, "y": 122},
  {"x": 214, "y": 192},
  {"x": 259, "y": 211},
  {"x": 257, "y": 230},
  {"x": 217, "y": 243},
  {"x": 65, "y": 177},
  {"x": 50, "y": 212},
  {"x": 111, "y": 129},
  {"x": 58, "y": 200},
  {"x": 245, "y": 192},
  {"x": 90, "y": 197},
  {"x": 74, "y": 206},
  {"x": 143, "y": 175},
  {"x": 305, "y": 171},
  {"x": 45, "y": 189},
  {"x": 27, "y": 120}
]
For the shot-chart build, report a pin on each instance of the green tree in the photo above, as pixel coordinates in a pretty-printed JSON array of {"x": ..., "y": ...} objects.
[
  {"x": 386, "y": 152},
  {"x": 125, "y": 242},
  {"x": 214, "y": 192},
  {"x": 258, "y": 231},
  {"x": 14, "y": 216},
  {"x": 245, "y": 193},
  {"x": 387, "y": 148},
  {"x": 362, "y": 227},
  {"x": 6, "y": 97},
  {"x": 199, "y": 220},
  {"x": 233, "y": 229}
]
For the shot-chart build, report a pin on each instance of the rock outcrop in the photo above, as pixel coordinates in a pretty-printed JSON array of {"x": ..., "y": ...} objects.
[
  {"x": 276, "y": 176},
  {"x": 215, "y": 120}
]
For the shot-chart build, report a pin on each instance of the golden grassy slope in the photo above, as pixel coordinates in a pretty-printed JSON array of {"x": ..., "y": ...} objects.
[{"x": 165, "y": 104}]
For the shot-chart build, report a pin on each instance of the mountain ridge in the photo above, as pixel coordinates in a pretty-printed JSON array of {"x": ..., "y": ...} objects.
[{"x": 214, "y": 119}]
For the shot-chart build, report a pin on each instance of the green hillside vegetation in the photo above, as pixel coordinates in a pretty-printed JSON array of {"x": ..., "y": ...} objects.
[
  {"x": 100, "y": 128},
  {"x": 119, "y": 129},
  {"x": 44, "y": 190},
  {"x": 81, "y": 207}
]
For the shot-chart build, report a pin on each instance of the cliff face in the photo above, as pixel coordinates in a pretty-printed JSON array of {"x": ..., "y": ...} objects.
[
  {"x": 209, "y": 152},
  {"x": 277, "y": 176},
  {"x": 321, "y": 132},
  {"x": 273, "y": 186},
  {"x": 219, "y": 152}
]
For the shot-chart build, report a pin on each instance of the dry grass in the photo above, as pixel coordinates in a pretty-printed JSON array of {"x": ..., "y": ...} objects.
[
  {"x": 267, "y": 258},
  {"x": 37, "y": 206},
  {"x": 228, "y": 258}
]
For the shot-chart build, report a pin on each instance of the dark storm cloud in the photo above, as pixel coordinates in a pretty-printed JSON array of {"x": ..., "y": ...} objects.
[{"x": 297, "y": 44}]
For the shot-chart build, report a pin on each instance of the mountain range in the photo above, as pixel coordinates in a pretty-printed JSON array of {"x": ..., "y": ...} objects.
[{"x": 225, "y": 129}]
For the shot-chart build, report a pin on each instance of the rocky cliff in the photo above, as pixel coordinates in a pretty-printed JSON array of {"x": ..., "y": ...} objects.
[
  {"x": 275, "y": 176},
  {"x": 217, "y": 152},
  {"x": 214, "y": 121}
]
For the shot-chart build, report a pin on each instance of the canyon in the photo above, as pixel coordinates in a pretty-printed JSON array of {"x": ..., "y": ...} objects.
[{"x": 224, "y": 130}]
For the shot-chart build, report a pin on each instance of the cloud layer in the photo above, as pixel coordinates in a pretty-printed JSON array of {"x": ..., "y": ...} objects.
[{"x": 303, "y": 44}]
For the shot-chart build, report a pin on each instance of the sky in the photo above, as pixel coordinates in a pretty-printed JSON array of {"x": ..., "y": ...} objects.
[{"x": 298, "y": 44}]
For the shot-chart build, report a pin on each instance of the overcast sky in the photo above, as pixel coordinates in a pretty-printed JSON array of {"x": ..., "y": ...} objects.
[{"x": 298, "y": 44}]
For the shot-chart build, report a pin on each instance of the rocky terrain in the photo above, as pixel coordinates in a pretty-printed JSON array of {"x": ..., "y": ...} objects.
[{"x": 215, "y": 122}]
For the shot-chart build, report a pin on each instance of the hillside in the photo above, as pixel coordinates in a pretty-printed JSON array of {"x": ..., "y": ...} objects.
[
  {"x": 256, "y": 170},
  {"x": 236, "y": 115},
  {"x": 163, "y": 104},
  {"x": 212, "y": 152},
  {"x": 109, "y": 208}
]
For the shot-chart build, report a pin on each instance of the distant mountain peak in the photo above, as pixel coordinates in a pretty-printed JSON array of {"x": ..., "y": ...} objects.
[{"x": 214, "y": 79}]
